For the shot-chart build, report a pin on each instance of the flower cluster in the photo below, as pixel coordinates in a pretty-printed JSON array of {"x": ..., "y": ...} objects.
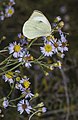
[
  {"x": 21, "y": 57},
  {"x": 20, "y": 52},
  {"x": 54, "y": 45},
  {"x": 23, "y": 85},
  {"x": 7, "y": 9}
]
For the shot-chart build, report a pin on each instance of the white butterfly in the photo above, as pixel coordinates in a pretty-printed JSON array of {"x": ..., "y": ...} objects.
[{"x": 36, "y": 26}]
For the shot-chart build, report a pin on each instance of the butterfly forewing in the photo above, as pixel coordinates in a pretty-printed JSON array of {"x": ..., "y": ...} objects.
[{"x": 38, "y": 15}]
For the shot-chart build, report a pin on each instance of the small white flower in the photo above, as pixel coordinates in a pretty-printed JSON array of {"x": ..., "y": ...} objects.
[
  {"x": 19, "y": 86},
  {"x": 22, "y": 54},
  {"x": 23, "y": 84},
  {"x": 44, "y": 109},
  {"x": 23, "y": 39},
  {"x": 63, "y": 47},
  {"x": 2, "y": 15},
  {"x": 15, "y": 49},
  {"x": 48, "y": 39},
  {"x": 61, "y": 55},
  {"x": 5, "y": 103},
  {"x": 9, "y": 11},
  {"x": 56, "y": 44},
  {"x": 23, "y": 105},
  {"x": 20, "y": 36},
  {"x": 58, "y": 18},
  {"x": 63, "y": 44},
  {"x": 28, "y": 64},
  {"x": 25, "y": 59},
  {"x": 8, "y": 77},
  {"x": 27, "y": 93},
  {"x": 12, "y": 2},
  {"x": 48, "y": 49}
]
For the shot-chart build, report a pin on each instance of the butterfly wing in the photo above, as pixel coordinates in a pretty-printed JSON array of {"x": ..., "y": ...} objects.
[
  {"x": 36, "y": 26},
  {"x": 38, "y": 15},
  {"x": 35, "y": 29}
]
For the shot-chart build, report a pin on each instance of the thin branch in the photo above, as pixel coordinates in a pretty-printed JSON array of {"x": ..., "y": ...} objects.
[{"x": 66, "y": 92}]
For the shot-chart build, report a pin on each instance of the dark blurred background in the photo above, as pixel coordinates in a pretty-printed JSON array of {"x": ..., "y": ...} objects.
[{"x": 53, "y": 89}]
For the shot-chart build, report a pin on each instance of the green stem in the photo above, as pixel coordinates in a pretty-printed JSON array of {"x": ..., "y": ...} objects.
[
  {"x": 34, "y": 114},
  {"x": 17, "y": 98},
  {"x": 37, "y": 60},
  {"x": 11, "y": 68},
  {"x": 38, "y": 44},
  {"x": 5, "y": 60},
  {"x": 41, "y": 64},
  {"x": 13, "y": 106},
  {"x": 11, "y": 90},
  {"x": 10, "y": 64},
  {"x": 41, "y": 57},
  {"x": 31, "y": 43},
  {"x": 3, "y": 51}
]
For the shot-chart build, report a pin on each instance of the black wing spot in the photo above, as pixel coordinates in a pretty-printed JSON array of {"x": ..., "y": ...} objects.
[{"x": 40, "y": 21}]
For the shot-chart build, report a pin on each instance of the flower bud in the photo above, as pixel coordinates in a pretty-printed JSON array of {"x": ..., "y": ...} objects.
[
  {"x": 61, "y": 24},
  {"x": 57, "y": 19}
]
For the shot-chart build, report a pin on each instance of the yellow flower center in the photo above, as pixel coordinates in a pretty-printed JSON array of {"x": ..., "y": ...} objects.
[
  {"x": 48, "y": 48},
  {"x": 9, "y": 75},
  {"x": 10, "y": 11},
  {"x": 18, "y": 79},
  {"x": 26, "y": 84},
  {"x": 17, "y": 48},
  {"x": 28, "y": 58}
]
